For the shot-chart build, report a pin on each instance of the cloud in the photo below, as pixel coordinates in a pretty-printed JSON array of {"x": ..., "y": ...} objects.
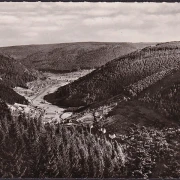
[
  {"x": 58, "y": 22},
  {"x": 8, "y": 19}
]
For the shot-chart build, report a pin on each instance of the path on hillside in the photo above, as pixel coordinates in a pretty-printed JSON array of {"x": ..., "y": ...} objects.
[{"x": 37, "y": 99}]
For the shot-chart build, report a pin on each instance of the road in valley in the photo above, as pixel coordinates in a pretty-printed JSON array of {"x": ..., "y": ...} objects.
[
  {"x": 37, "y": 98},
  {"x": 51, "y": 111}
]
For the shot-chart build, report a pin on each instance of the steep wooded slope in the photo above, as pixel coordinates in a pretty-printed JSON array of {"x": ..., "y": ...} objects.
[
  {"x": 4, "y": 111},
  {"x": 127, "y": 75},
  {"x": 13, "y": 73},
  {"x": 70, "y": 56},
  {"x": 164, "y": 96}
]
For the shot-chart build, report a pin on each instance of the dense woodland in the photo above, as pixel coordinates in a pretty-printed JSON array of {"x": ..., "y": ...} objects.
[
  {"x": 127, "y": 75},
  {"x": 71, "y": 57},
  {"x": 13, "y": 73},
  {"x": 10, "y": 96},
  {"x": 32, "y": 149},
  {"x": 67, "y": 57},
  {"x": 4, "y": 111}
]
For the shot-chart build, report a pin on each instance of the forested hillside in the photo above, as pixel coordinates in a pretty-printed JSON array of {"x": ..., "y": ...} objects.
[
  {"x": 21, "y": 52},
  {"x": 66, "y": 57},
  {"x": 127, "y": 76},
  {"x": 32, "y": 149},
  {"x": 4, "y": 111},
  {"x": 13, "y": 73}
]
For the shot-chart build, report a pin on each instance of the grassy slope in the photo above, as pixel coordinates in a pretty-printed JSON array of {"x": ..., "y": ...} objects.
[
  {"x": 155, "y": 107},
  {"x": 164, "y": 96},
  {"x": 31, "y": 149},
  {"x": 10, "y": 96},
  {"x": 13, "y": 73},
  {"x": 4, "y": 111}
]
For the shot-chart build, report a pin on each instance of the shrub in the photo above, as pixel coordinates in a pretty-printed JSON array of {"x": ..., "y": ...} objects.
[{"x": 31, "y": 149}]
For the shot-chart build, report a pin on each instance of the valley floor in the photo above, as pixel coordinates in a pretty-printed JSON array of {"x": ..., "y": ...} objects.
[{"x": 39, "y": 88}]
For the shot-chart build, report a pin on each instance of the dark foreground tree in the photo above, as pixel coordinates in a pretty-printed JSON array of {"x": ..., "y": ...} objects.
[{"x": 31, "y": 149}]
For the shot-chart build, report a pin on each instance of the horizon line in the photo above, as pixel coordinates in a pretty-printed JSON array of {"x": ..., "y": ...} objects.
[{"x": 86, "y": 42}]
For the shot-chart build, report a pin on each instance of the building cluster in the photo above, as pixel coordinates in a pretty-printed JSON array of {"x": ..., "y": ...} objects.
[{"x": 28, "y": 110}]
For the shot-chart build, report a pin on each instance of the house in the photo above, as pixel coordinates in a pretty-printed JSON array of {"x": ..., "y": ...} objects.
[
  {"x": 20, "y": 105},
  {"x": 112, "y": 136}
]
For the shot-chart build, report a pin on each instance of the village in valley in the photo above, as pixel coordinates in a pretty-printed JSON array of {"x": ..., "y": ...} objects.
[{"x": 37, "y": 90}]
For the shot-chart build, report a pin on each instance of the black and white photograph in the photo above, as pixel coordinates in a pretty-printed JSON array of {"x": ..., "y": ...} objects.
[{"x": 89, "y": 90}]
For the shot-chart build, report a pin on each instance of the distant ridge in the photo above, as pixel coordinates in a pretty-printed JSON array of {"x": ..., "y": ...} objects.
[
  {"x": 127, "y": 75},
  {"x": 13, "y": 73},
  {"x": 66, "y": 57}
]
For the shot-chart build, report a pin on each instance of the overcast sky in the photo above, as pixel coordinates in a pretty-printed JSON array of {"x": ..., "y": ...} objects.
[{"x": 57, "y": 22}]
